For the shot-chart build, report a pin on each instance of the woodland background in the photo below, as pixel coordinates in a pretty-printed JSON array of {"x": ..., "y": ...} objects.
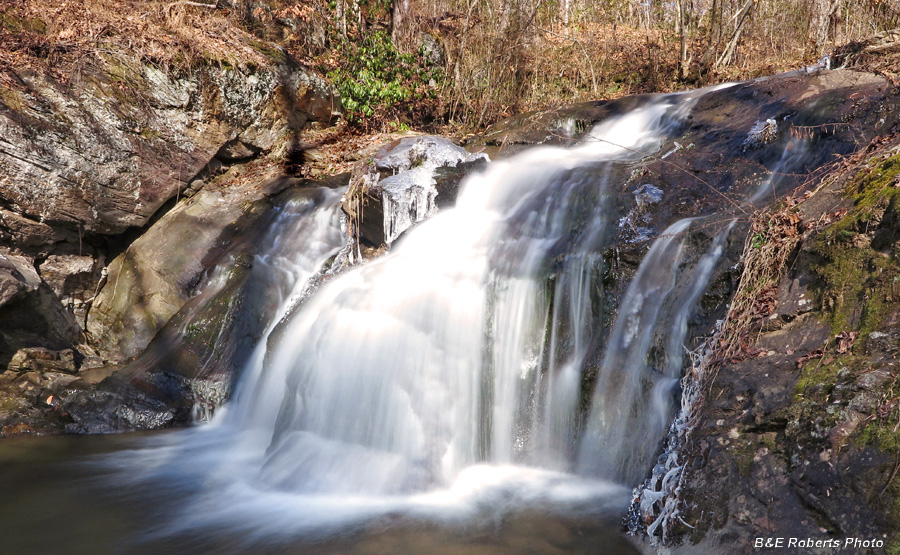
[{"x": 454, "y": 65}]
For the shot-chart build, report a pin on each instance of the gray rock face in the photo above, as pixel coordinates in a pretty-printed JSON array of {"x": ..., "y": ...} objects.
[
  {"x": 149, "y": 282},
  {"x": 103, "y": 156},
  {"x": 17, "y": 277},
  {"x": 83, "y": 164},
  {"x": 68, "y": 274}
]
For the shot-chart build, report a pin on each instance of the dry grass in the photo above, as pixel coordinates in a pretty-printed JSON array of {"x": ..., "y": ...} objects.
[{"x": 773, "y": 237}]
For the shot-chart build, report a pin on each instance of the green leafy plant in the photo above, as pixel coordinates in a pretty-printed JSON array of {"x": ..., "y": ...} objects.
[{"x": 374, "y": 78}]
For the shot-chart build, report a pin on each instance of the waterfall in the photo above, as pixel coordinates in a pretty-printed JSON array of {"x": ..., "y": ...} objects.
[
  {"x": 468, "y": 369},
  {"x": 398, "y": 376}
]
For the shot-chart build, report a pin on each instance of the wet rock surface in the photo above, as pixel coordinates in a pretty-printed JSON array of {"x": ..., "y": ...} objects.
[
  {"x": 799, "y": 438},
  {"x": 153, "y": 278},
  {"x": 187, "y": 367}
]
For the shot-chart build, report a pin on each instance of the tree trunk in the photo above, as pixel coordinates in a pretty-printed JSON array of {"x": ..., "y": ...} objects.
[
  {"x": 742, "y": 17},
  {"x": 715, "y": 34},
  {"x": 564, "y": 12},
  {"x": 399, "y": 20},
  {"x": 340, "y": 9},
  {"x": 684, "y": 26}
]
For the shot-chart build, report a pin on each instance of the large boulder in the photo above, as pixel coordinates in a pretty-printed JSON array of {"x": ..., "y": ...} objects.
[
  {"x": 105, "y": 154},
  {"x": 153, "y": 278},
  {"x": 17, "y": 277}
]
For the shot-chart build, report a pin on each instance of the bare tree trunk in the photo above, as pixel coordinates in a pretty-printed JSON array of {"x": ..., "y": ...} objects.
[
  {"x": 742, "y": 17},
  {"x": 399, "y": 20},
  {"x": 715, "y": 33},
  {"x": 824, "y": 20},
  {"x": 685, "y": 26},
  {"x": 503, "y": 9},
  {"x": 564, "y": 12},
  {"x": 341, "y": 13},
  {"x": 678, "y": 9}
]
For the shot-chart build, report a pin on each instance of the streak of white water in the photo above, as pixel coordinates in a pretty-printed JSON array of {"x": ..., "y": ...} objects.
[
  {"x": 620, "y": 394},
  {"x": 793, "y": 153},
  {"x": 633, "y": 398},
  {"x": 301, "y": 240}
]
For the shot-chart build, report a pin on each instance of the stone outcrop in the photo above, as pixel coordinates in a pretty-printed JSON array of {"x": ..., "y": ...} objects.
[
  {"x": 797, "y": 437},
  {"x": 89, "y": 162},
  {"x": 105, "y": 155},
  {"x": 92, "y": 169},
  {"x": 153, "y": 278}
]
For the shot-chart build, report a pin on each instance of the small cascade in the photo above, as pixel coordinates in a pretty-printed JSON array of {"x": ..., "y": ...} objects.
[
  {"x": 635, "y": 383},
  {"x": 791, "y": 159},
  {"x": 246, "y": 296}
]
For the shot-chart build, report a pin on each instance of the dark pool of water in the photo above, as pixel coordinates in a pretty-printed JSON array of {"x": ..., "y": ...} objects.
[{"x": 58, "y": 496}]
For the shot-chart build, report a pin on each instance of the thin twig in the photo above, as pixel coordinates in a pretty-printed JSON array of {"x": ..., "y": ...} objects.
[
  {"x": 893, "y": 475},
  {"x": 189, "y": 3}
]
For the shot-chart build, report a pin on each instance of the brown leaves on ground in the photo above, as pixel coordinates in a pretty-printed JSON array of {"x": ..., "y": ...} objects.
[
  {"x": 60, "y": 37},
  {"x": 774, "y": 234},
  {"x": 336, "y": 149}
]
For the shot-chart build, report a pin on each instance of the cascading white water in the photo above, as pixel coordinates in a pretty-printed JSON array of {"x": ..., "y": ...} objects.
[
  {"x": 449, "y": 376},
  {"x": 304, "y": 233},
  {"x": 400, "y": 375}
]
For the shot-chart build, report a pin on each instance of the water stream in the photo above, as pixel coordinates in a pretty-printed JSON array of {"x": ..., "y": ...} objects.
[{"x": 464, "y": 380}]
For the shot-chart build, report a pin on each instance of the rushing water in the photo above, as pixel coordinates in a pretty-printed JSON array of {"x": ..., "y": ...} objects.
[{"x": 454, "y": 382}]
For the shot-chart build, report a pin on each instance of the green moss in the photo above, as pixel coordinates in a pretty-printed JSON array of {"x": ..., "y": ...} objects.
[
  {"x": 859, "y": 282},
  {"x": 881, "y": 435},
  {"x": 270, "y": 51},
  {"x": 27, "y": 24},
  {"x": 859, "y": 287},
  {"x": 817, "y": 379},
  {"x": 12, "y": 99},
  {"x": 872, "y": 189}
]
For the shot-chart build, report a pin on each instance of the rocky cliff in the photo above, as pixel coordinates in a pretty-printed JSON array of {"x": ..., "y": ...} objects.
[
  {"x": 797, "y": 435},
  {"x": 99, "y": 243}
]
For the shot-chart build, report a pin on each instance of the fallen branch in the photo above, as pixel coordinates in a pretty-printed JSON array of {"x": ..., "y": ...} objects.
[{"x": 196, "y": 4}]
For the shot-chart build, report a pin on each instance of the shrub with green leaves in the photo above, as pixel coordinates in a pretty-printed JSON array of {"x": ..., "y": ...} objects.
[{"x": 373, "y": 77}]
